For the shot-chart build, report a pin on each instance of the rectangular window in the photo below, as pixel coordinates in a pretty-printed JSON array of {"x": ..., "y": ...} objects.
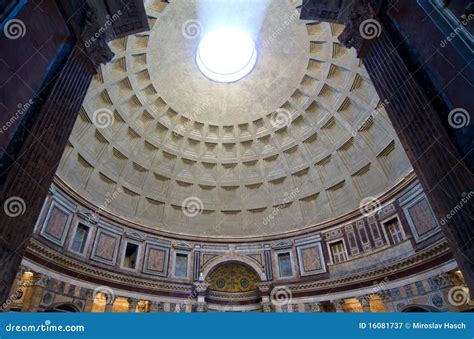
[
  {"x": 131, "y": 254},
  {"x": 80, "y": 238},
  {"x": 338, "y": 252},
  {"x": 181, "y": 265},
  {"x": 394, "y": 231},
  {"x": 284, "y": 263}
]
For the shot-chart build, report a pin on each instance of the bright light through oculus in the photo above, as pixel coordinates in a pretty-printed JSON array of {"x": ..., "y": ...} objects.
[{"x": 226, "y": 55}]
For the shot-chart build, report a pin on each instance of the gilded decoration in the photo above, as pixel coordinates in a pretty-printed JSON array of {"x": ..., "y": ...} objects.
[{"x": 233, "y": 278}]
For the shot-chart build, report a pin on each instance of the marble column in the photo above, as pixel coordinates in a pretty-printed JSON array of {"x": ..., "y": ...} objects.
[
  {"x": 90, "y": 299},
  {"x": 377, "y": 302},
  {"x": 315, "y": 307},
  {"x": 30, "y": 175},
  {"x": 441, "y": 169},
  {"x": 386, "y": 296},
  {"x": 156, "y": 306},
  {"x": 338, "y": 304},
  {"x": 15, "y": 290},
  {"x": 425, "y": 130},
  {"x": 364, "y": 301},
  {"x": 30, "y": 160},
  {"x": 132, "y": 304},
  {"x": 110, "y": 300}
]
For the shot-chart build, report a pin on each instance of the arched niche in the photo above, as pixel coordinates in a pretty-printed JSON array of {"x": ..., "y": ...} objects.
[
  {"x": 233, "y": 286},
  {"x": 233, "y": 277}
]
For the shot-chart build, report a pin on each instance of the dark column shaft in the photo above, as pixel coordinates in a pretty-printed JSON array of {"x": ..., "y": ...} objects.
[
  {"x": 437, "y": 163},
  {"x": 33, "y": 167}
]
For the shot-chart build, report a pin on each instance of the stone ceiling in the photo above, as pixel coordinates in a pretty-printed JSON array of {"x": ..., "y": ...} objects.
[{"x": 302, "y": 139}]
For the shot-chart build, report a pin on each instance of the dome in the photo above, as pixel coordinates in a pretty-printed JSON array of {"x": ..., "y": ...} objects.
[{"x": 300, "y": 140}]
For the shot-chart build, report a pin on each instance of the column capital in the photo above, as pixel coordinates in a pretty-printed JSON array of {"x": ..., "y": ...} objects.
[
  {"x": 110, "y": 298},
  {"x": 386, "y": 295},
  {"x": 361, "y": 24},
  {"x": 156, "y": 306},
  {"x": 132, "y": 300},
  {"x": 120, "y": 19},
  {"x": 90, "y": 294},
  {"x": 132, "y": 304},
  {"x": 446, "y": 279},
  {"x": 315, "y": 307},
  {"x": 338, "y": 303},
  {"x": 360, "y": 19},
  {"x": 364, "y": 301},
  {"x": 41, "y": 279},
  {"x": 21, "y": 271}
]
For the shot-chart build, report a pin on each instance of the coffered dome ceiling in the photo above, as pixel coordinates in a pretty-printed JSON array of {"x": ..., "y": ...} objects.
[{"x": 300, "y": 140}]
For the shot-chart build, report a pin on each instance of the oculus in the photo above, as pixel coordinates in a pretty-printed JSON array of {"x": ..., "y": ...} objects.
[{"x": 226, "y": 54}]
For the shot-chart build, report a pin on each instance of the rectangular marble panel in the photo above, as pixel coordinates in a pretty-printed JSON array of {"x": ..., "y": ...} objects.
[
  {"x": 420, "y": 218},
  {"x": 56, "y": 223},
  {"x": 311, "y": 260},
  {"x": 106, "y": 247},
  {"x": 156, "y": 260}
]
